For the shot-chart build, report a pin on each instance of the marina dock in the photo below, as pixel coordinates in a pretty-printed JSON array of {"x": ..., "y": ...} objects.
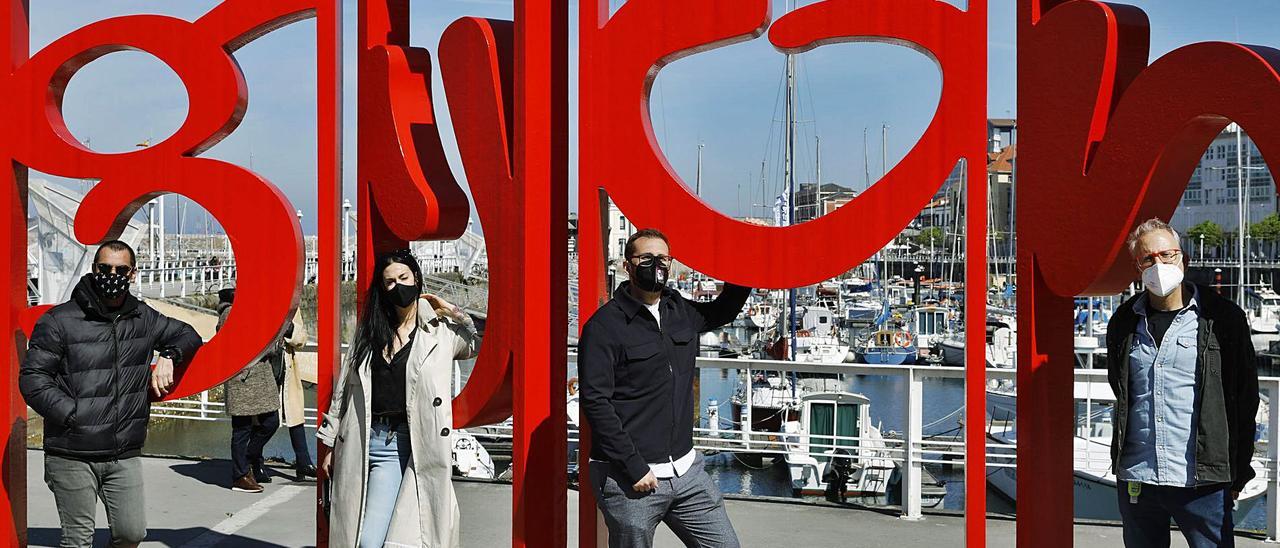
[{"x": 189, "y": 506}]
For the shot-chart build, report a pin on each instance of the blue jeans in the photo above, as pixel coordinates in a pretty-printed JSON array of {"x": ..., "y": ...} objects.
[
  {"x": 389, "y": 455},
  {"x": 1203, "y": 514}
]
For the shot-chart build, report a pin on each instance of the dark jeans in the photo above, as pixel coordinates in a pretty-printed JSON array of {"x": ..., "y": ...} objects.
[
  {"x": 298, "y": 437},
  {"x": 249, "y": 434},
  {"x": 1203, "y": 514},
  {"x": 77, "y": 485}
]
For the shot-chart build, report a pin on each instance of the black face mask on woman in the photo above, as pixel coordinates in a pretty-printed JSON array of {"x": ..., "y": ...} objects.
[
  {"x": 402, "y": 295},
  {"x": 651, "y": 275}
]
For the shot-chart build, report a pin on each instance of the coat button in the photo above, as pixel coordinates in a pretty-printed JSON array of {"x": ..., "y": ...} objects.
[
  {"x": 436, "y": 402},
  {"x": 444, "y": 431}
]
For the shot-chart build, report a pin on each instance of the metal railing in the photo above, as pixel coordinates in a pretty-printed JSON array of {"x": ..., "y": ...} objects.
[{"x": 911, "y": 451}]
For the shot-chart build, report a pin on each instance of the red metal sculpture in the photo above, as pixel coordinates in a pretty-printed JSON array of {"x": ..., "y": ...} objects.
[
  {"x": 269, "y": 268},
  {"x": 619, "y": 156},
  {"x": 507, "y": 84},
  {"x": 1108, "y": 139}
]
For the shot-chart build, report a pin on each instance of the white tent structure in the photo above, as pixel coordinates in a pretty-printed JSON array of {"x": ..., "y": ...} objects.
[{"x": 55, "y": 259}]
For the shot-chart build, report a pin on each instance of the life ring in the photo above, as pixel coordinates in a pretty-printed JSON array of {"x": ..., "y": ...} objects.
[
  {"x": 902, "y": 339},
  {"x": 572, "y": 386}
]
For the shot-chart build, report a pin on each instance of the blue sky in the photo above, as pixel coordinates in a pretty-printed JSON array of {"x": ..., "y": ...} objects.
[{"x": 725, "y": 99}]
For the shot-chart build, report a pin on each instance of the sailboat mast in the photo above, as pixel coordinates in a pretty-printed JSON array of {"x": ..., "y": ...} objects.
[
  {"x": 884, "y": 169},
  {"x": 789, "y": 175},
  {"x": 817, "y": 157}
]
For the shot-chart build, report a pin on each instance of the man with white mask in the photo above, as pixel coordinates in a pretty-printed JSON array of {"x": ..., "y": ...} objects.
[{"x": 1183, "y": 369}]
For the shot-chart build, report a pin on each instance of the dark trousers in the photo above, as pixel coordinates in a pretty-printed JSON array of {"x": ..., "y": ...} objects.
[
  {"x": 301, "y": 454},
  {"x": 691, "y": 505},
  {"x": 1203, "y": 514},
  {"x": 249, "y": 434}
]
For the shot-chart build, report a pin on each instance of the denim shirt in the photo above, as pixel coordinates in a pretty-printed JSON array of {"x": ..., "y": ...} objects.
[{"x": 1159, "y": 446}]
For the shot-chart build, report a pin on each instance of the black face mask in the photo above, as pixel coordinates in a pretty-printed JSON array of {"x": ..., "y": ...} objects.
[
  {"x": 402, "y": 295},
  {"x": 651, "y": 275},
  {"x": 110, "y": 286}
]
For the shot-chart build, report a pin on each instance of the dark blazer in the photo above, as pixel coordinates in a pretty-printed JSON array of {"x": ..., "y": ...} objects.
[{"x": 637, "y": 376}]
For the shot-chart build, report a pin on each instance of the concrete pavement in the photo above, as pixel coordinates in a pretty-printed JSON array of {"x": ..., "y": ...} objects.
[{"x": 189, "y": 506}]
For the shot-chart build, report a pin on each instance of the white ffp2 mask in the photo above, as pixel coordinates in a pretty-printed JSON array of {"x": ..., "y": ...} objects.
[{"x": 1161, "y": 279}]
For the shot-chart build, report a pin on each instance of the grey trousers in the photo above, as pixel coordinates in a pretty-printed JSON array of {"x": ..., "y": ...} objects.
[
  {"x": 691, "y": 505},
  {"x": 77, "y": 485}
]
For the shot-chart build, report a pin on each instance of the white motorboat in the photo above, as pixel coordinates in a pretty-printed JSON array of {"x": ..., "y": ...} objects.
[
  {"x": 1264, "y": 312},
  {"x": 470, "y": 458},
  {"x": 1001, "y": 347},
  {"x": 1095, "y": 484}
]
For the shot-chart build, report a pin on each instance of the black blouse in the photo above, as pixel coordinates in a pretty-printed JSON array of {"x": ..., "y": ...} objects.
[{"x": 389, "y": 380}]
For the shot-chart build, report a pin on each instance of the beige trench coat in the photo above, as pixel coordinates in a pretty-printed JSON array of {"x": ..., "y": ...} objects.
[
  {"x": 291, "y": 413},
  {"x": 426, "y": 513}
]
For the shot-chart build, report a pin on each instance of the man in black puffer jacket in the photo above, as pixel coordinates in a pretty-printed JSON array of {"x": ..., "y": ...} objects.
[{"x": 88, "y": 373}]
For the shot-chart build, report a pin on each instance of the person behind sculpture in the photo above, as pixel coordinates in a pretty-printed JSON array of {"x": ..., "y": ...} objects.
[
  {"x": 292, "y": 400},
  {"x": 636, "y": 360},
  {"x": 87, "y": 371},
  {"x": 390, "y": 417},
  {"x": 253, "y": 401},
  {"x": 1182, "y": 366}
]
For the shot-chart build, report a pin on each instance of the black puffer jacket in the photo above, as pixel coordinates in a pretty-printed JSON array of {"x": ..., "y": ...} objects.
[{"x": 87, "y": 372}]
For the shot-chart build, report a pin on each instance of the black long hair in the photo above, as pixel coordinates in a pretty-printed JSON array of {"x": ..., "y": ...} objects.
[{"x": 378, "y": 320}]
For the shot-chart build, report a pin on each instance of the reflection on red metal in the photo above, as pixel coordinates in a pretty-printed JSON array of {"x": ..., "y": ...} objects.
[
  {"x": 507, "y": 84},
  {"x": 1108, "y": 139},
  {"x": 619, "y": 157},
  {"x": 265, "y": 238}
]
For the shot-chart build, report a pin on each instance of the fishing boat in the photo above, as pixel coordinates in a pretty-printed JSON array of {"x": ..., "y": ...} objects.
[
  {"x": 931, "y": 323},
  {"x": 833, "y": 429}
]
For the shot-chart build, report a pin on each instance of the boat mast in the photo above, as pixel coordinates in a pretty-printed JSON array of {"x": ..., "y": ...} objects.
[
  {"x": 789, "y": 175},
  {"x": 884, "y": 170}
]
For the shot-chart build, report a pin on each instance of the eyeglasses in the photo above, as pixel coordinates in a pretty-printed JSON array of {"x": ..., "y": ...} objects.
[
  {"x": 1168, "y": 256},
  {"x": 666, "y": 259},
  {"x": 120, "y": 269}
]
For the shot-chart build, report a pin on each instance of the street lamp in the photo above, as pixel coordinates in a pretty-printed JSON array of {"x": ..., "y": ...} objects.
[
  {"x": 1202, "y": 246},
  {"x": 346, "y": 226}
]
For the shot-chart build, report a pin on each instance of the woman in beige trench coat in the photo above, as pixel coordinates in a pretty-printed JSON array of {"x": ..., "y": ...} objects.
[
  {"x": 293, "y": 401},
  {"x": 424, "y": 336}
]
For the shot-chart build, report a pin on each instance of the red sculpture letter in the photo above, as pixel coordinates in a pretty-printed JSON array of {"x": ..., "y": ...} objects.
[{"x": 1108, "y": 142}]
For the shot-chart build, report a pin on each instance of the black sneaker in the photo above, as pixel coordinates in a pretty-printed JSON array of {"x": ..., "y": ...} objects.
[{"x": 260, "y": 474}]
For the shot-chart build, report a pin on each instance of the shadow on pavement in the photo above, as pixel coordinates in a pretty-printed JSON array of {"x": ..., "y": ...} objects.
[
  {"x": 212, "y": 472},
  {"x": 48, "y": 536}
]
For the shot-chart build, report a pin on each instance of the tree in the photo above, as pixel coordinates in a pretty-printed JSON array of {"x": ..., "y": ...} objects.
[
  {"x": 1210, "y": 230},
  {"x": 929, "y": 236},
  {"x": 1267, "y": 230}
]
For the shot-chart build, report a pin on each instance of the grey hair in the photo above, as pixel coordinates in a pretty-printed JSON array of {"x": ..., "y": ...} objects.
[{"x": 1149, "y": 225}]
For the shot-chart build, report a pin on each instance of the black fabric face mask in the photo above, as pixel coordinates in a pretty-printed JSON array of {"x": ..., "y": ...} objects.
[
  {"x": 110, "y": 286},
  {"x": 651, "y": 275},
  {"x": 402, "y": 295}
]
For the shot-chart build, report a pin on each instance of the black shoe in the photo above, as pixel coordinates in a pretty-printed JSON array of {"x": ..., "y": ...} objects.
[
  {"x": 260, "y": 474},
  {"x": 303, "y": 472}
]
